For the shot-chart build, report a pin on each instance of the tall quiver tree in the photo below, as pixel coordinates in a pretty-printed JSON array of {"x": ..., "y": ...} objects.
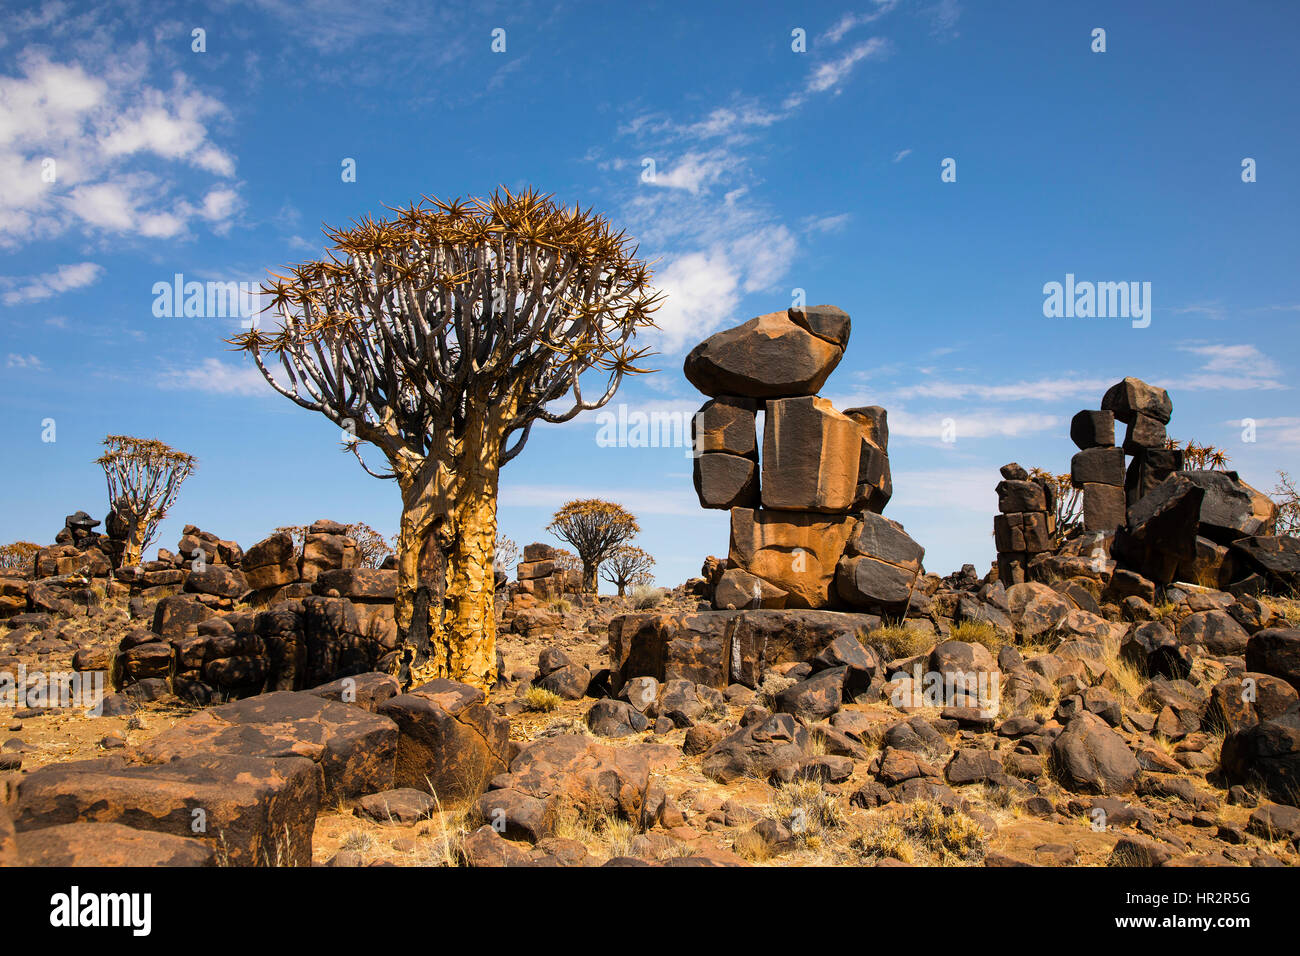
[
  {"x": 144, "y": 477},
  {"x": 440, "y": 336}
]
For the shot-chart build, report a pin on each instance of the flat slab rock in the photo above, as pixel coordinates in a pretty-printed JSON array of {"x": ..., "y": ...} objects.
[
  {"x": 355, "y": 750},
  {"x": 110, "y": 844},
  {"x": 403, "y": 807},
  {"x": 255, "y": 811}
]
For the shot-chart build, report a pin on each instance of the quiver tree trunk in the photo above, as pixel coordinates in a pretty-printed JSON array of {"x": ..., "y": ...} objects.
[
  {"x": 445, "y": 582},
  {"x": 471, "y": 614}
]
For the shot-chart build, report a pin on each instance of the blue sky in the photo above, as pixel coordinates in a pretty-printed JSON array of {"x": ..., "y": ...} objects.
[{"x": 775, "y": 170}]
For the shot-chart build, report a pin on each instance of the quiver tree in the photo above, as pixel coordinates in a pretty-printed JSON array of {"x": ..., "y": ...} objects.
[
  {"x": 144, "y": 476},
  {"x": 505, "y": 554},
  {"x": 595, "y": 528},
  {"x": 440, "y": 336},
  {"x": 372, "y": 547},
  {"x": 627, "y": 565},
  {"x": 1069, "y": 503},
  {"x": 19, "y": 556}
]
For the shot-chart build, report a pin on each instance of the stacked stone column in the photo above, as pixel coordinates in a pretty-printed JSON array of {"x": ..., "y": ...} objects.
[
  {"x": 541, "y": 577},
  {"x": 806, "y": 529},
  {"x": 1098, "y": 470},
  {"x": 1026, "y": 521}
]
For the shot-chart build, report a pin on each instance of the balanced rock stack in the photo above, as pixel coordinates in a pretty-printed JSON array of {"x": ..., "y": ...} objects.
[
  {"x": 542, "y": 577},
  {"x": 1026, "y": 521},
  {"x": 1150, "y": 516},
  {"x": 806, "y": 528}
]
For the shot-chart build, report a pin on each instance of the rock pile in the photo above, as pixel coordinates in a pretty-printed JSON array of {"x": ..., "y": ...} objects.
[
  {"x": 806, "y": 525},
  {"x": 1151, "y": 517}
]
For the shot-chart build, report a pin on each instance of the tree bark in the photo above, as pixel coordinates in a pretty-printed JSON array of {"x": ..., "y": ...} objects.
[
  {"x": 133, "y": 549},
  {"x": 589, "y": 577},
  {"x": 469, "y": 637},
  {"x": 421, "y": 579}
]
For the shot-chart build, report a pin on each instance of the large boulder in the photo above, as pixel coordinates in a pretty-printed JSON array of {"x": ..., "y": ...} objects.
[
  {"x": 218, "y": 580},
  {"x": 757, "y": 750},
  {"x": 767, "y": 357},
  {"x": 1036, "y": 609},
  {"x": 1275, "y": 651},
  {"x": 1092, "y": 758},
  {"x": 173, "y": 616},
  {"x": 880, "y": 566},
  {"x": 594, "y": 779},
  {"x": 1276, "y": 559},
  {"x": 795, "y": 550},
  {"x": 271, "y": 563},
  {"x": 725, "y": 481},
  {"x": 1132, "y": 397},
  {"x": 1161, "y": 532},
  {"x": 450, "y": 742},
  {"x": 1093, "y": 429},
  {"x": 1215, "y": 632},
  {"x": 738, "y": 589},
  {"x": 1266, "y": 755},
  {"x": 254, "y": 811},
  {"x": 326, "y": 548},
  {"x": 810, "y": 456},
  {"x": 353, "y": 750},
  {"x": 1228, "y": 508}
]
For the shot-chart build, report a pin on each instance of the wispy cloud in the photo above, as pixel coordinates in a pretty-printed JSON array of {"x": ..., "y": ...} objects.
[
  {"x": 830, "y": 77},
  {"x": 851, "y": 21},
  {"x": 214, "y": 377},
  {"x": 901, "y": 155},
  {"x": 24, "y": 361},
  {"x": 826, "y": 223},
  {"x": 49, "y": 284}
]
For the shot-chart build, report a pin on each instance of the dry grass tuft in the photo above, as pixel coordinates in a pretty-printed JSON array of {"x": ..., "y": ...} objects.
[
  {"x": 979, "y": 632},
  {"x": 540, "y": 699},
  {"x": 895, "y": 640}
]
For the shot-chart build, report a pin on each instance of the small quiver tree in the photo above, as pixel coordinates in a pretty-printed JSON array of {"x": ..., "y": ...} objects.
[
  {"x": 596, "y": 529},
  {"x": 440, "y": 337},
  {"x": 627, "y": 565},
  {"x": 144, "y": 477},
  {"x": 505, "y": 555}
]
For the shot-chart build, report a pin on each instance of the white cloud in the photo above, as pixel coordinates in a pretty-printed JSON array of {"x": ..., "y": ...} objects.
[
  {"x": 827, "y": 223},
  {"x": 970, "y": 424},
  {"x": 901, "y": 155},
  {"x": 24, "y": 361},
  {"x": 1043, "y": 390},
  {"x": 850, "y": 21},
  {"x": 695, "y": 172},
  {"x": 72, "y": 139},
  {"x": 1231, "y": 367},
  {"x": 831, "y": 76},
  {"x": 214, "y": 377},
  {"x": 48, "y": 284}
]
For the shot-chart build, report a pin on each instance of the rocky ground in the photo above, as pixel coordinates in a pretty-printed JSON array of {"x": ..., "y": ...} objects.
[{"x": 1093, "y": 758}]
